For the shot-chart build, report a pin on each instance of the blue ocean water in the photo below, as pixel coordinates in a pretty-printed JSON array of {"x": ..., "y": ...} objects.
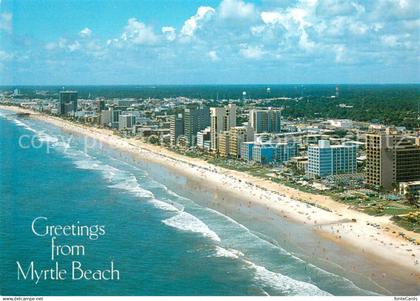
[{"x": 162, "y": 241}]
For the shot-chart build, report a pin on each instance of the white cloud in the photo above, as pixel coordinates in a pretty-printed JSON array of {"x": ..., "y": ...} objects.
[
  {"x": 4, "y": 56},
  {"x": 203, "y": 14},
  {"x": 273, "y": 18},
  {"x": 169, "y": 33},
  {"x": 252, "y": 52},
  {"x": 299, "y": 15},
  {"x": 294, "y": 21},
  {"x": 358, "y": 28},
  {"x": 85, "y": 33},
  {"x": 340, "y": 53},
  {"x": 300, "y": 32},
  {"x": 359, "y": 8},
  {"x": 6, "y": 22},
  {"x": 392, "y": 9},
  {"x": 138, "y": 33},
  {"x": 257, "y": 30},
  {"x": 390, "y": 40},
  {"x": 62, "y": 43},
  {"x": 306, "y": 43},
  {"x": 377, "y": 26},
  {"x": 73, "y": 46},
  {"x": 236, "y": 9},
  {"x": 50, "y": 46},
  {"x": 341, "y": 25},
  {"x": 213, "y": 56}
]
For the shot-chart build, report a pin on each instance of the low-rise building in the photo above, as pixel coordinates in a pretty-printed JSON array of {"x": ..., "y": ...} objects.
[
  {"x": 203, "y": 138},
  {"x": 411, "y": 189},
  {"x": 264, "y": 153},
  {"x": 269, "y": 152}
]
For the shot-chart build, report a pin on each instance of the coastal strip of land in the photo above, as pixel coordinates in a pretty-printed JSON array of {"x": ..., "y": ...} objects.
[{"x": 374, "y": 236}]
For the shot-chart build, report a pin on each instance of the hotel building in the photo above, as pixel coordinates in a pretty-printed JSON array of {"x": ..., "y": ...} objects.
[
  {"x": 327, "y": 160},
  {"x": 391, "y": 159},
  {"x": 265, "y": 120},
  {"x": 203, "y": 139},
  {"x": 237, "y": 136},
  {"x": 196, "y": 118},
  {"x": 246, "y": 150},
  {"x": 224, "y": 143},
  {"x": 221, "y": 119},
  {"x": 67, "y": 102},
  {"x": 126, "y": 122},
  {"x": 176, "y": 126}
]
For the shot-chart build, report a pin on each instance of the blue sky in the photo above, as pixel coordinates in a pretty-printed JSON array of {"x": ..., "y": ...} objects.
[{"x": 209, "y": 42}]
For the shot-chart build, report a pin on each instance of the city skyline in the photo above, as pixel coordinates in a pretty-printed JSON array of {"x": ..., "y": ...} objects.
[{"x": 208, "y": 42}]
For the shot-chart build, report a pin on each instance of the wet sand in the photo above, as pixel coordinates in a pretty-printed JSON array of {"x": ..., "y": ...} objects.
[{"x": 307, "y": 241}]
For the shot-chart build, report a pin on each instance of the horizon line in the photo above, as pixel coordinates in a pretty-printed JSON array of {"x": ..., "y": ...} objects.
[{"x": 209, "y": 84}]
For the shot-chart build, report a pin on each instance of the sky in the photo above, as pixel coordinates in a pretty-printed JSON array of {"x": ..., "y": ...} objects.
[{"x": 95, "y": 42}]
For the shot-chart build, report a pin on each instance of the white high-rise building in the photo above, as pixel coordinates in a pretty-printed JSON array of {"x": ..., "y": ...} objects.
[
  {"x": 203, "y": 136},
  {"x": 126, "y": 121},
  {"x": 326, "y": 160}
]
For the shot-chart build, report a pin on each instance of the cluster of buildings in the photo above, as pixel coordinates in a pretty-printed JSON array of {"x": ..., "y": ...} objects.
[
  {"x": 215, "y": 130},
  {"x": 387, "y": 158},
  {"x": 185, "y": 125}
]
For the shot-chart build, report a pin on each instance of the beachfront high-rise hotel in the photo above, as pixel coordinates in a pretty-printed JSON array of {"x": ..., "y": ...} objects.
[
  {"x": 196, "y": 118},
  {"x": 327, "y": 160},
  {"x": 67, "y": 102},
  {"x": 176, "y": 127},
  {"x": 391, "y": 159},
  {"x": 265, "y": 120},
  {"x": 221, "y": 119}
]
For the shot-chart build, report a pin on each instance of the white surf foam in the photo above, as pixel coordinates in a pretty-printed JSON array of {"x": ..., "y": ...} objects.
[
  {"x": 164, "y": 206},
  {"x": 187, "y": 222},
  {"x": 284, "y": 283},
  {"x": 348, "y": 283},
  {"x": 87, "y": 163},
  {"x": 110, "y": 173},
  {"x": 62, "y": 145},
  {"x": 229, "y": 253},
  {"x": 19, "y": 123},
  {"x": 251, "y": 233},
  {"x": 344, "y": 281},
  {"x": 229, "y": 219},
  {"x": 177, "y": 195},
  {"x": 43, "y": 137},
  {"x": 130, "y": 184},
  {"x": 24, "y": 125}
]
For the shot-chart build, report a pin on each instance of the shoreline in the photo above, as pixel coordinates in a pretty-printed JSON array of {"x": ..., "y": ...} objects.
[{"x": 286, "y": 202}]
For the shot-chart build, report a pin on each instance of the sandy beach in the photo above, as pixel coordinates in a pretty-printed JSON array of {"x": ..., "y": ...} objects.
[{"x": 382, "y": 242}]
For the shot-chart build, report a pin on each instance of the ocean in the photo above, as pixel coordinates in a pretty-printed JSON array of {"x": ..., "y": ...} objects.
[{"x": 166, "y": 234}]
